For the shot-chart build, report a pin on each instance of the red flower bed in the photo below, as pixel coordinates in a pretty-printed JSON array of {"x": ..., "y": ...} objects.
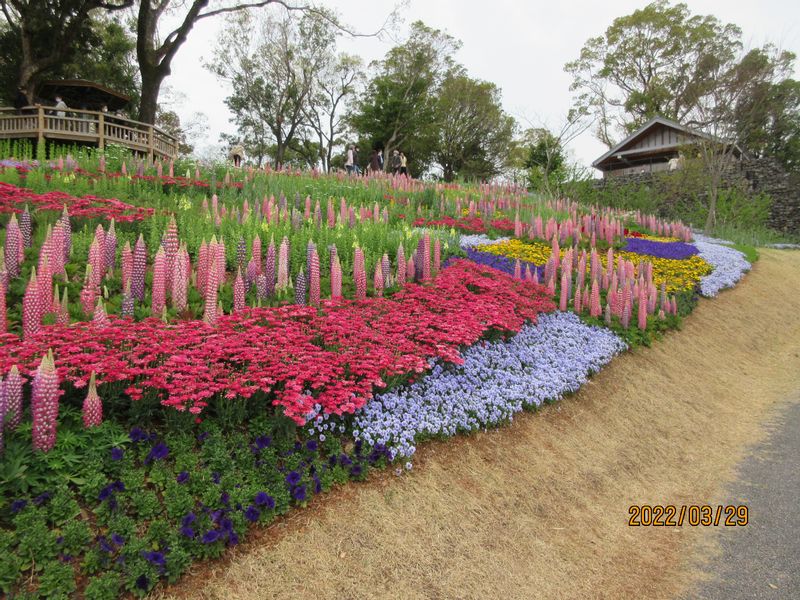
[
  {"x": 302, "y": 356},
  {"x": 471, "y": 225},
  {"x": 13, "y": 199}
]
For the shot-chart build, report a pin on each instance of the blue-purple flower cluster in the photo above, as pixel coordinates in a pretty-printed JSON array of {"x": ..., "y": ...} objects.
[
  {"x": 502, "y": 263},
  {"x": 673, "y": 250},
  {"x": 729, "y": 267},
  {"x": 497, "y": 380}
]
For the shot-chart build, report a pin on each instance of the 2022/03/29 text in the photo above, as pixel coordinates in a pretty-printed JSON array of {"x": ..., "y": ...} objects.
[{"x": 703, "y": 515}]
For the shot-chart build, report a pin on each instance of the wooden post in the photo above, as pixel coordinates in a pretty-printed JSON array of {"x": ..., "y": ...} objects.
[
  {"x": 40, "y": 124},
  {"x": 101, "y": 131},
  {"x": 150, "y": 144}
]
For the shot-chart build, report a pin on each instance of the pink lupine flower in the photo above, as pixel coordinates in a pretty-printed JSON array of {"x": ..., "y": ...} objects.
[
  {"x": 44, "y": 404},
  {"x": 202, "y": 267},
  {"x": 13, "y": 244},
  {"x": 126, "y": 261},
  {"x": 97, "y": 261},
  {"x": 257, "y": 254},
  {"x": 401, "y": 266},
  {"x": 238, "y": 292},
  {"x": 359, "y": 274},
  {"x": 564, "y": 298},
  {"x": 426, "y": 257},
  {"x": 31, "y": 307},
  {"x": 269, "y": 269},
  {"x": 283, "y": 264},
  {"x": 3, "y": 309},
  {"x": 386, "y": 271},
  {"x": 211, "y": 311},
  {"x": 642, "y": 310},
  {"x": 111, "y": 247},
  {"x": 139, "y": 265},
  {"x": 180, "y": 281},
  {"x": 171, "y": 245},
  {"x": 410, "y": 267},
  {"x": 159, "y": 295},
  {"x": 377, "y": 280},
  {"x": 626, "y": 315},
  {"x": 45, "y": 286},
  {"x": 62, "y": 309},
  {"x": 100, "y": 317},
  {"x": 594, "y": 308},
  {"x": 313, "y": 278},
  {"x": 437, "y": 256},
  {"x": 576, "y": 301},
  {"x": 336, "y": 278},
  {"x": 330, "y": 214},
  {"x": 13, "y": 394},
  {"x": 25, "y": 227},
  {"x": 517, "y": 270}
]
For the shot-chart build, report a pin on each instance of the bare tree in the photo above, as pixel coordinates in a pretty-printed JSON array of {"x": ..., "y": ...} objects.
[
  {"x": 155, "y": 54},
  {"x": 336, "y": 82},
  {"x": 272, "y": 64}
]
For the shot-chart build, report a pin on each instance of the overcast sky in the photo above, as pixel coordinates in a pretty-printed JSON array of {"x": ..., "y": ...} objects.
[{"x": 519, "y": 45}]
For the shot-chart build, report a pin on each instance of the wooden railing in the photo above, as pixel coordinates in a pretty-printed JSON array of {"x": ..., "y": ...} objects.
[{"x": 88, "y": 126}]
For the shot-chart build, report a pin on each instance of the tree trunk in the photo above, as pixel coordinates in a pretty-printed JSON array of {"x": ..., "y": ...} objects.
[
  {"x": 151, "y": 85},
  {"x": 711, "y": 220}
]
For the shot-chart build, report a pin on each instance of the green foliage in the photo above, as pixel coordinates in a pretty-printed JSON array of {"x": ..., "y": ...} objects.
[
  {"x": 474, "y": 131},
  {"x": 399, "y": 106}
]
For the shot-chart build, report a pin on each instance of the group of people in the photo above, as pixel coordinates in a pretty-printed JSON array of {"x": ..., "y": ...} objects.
[{"x": 398, "y": 161}]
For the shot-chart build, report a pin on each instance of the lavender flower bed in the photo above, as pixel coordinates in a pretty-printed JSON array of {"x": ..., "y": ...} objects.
[
  {"x": 673, "y": 250},
  {"x": 729, "y": 267},
  {"x": 502, "y": 263},
  {"x": 497, "y": 380}
]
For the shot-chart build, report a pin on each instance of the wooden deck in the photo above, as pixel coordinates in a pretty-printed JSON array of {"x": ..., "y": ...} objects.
[{"x": 86, "y": 126}]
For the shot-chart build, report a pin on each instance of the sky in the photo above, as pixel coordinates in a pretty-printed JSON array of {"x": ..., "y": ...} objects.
[{"x": 519, "y": 45}]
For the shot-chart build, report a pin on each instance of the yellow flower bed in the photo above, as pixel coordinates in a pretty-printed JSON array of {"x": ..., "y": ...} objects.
[
  {"x": 655, "y": 238},
  {"x": 679, "y": 275}
]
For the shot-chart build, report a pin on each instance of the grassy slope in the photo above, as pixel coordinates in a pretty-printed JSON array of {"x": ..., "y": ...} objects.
[{"x": 540, "y": 509}]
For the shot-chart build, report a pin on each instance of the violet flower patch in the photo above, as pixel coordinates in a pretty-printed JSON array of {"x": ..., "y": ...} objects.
[
  {"x": 673, "y": 250},
  {"x": 497, "y": 380}
]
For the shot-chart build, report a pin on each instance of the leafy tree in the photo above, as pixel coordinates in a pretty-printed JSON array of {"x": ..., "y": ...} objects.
[
  {"x": 273, "y": 75},
  {"x": 398, "y": 109},
  {"x": 659, "y": 60},
  {"x": 40, "y": 37},
  {"x": 474, "y": 134}
]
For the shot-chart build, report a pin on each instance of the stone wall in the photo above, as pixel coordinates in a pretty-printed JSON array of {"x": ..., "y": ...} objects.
[{"x": 754, "y": 176}]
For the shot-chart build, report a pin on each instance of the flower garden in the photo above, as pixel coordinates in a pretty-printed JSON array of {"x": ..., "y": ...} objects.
[{"x": 183, "y": 357}]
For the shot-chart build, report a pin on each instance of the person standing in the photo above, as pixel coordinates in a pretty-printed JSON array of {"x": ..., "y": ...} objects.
[
  {"x": 396, "y": 162},
  {"x": 374, "y": 163},
  {"x": 348, "y": 163},
  {"x": 403, "y": 165},
  {"x": 356, "y": 168},
  {"x": 61, "y": 107},
  {"x": 380, "y": 159}
]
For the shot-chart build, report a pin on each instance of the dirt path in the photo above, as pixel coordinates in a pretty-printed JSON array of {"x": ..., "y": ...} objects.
[{"x": 540, "y": 509}]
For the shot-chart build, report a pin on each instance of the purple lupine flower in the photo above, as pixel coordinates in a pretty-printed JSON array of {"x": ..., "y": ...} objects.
[{"x": 673, "y": 250}]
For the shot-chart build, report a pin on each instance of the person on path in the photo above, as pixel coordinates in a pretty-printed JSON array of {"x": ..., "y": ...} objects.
[
  {"x": 348, "y": 163},
  {"x": 356, "y": 168},
  {"x": 396, "y": 162},
  {"x": 374, "y": 162},
  {"x": 403, "y": 165},
  {"x": 380, "y": 159},
  {"x": 236, "y": 154}
]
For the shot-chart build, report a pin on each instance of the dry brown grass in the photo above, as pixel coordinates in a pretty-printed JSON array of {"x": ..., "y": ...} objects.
[{"x": 540, "y": 509}]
